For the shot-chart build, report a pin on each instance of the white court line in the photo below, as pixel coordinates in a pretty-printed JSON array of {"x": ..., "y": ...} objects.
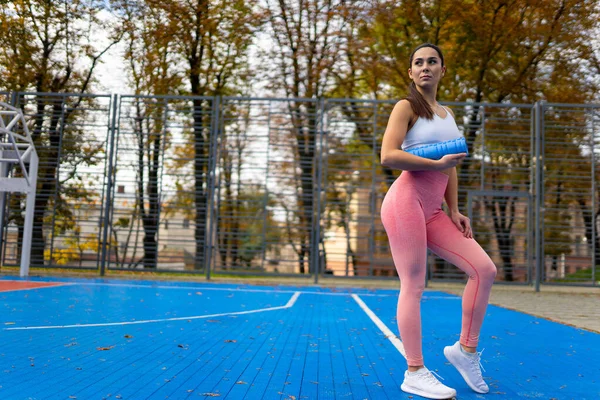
[
  {"x": 289, "y": 304},
  {"x": 250, "y": 290},
  {"x": 383, "y": 327}
]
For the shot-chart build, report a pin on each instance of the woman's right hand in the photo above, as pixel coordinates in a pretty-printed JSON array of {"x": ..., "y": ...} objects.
[{"x": 450, "y": 161}]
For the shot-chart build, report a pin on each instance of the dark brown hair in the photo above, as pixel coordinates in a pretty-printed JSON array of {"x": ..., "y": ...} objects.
[{"x": 416, "y": 99}]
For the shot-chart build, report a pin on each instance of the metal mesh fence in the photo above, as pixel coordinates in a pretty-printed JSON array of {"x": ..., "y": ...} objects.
[
  {"x": 569, "y": 149},
  {"x": 267, "y": 186},
  {"x": 294, "y": 186},
  {"x": 354, "y": 184},
  {"x": 502, "y": 224},
  {"x": 70, "y": 133},
  {"x": 161, "y": 190},
  {"x": 501, "y": 143}
]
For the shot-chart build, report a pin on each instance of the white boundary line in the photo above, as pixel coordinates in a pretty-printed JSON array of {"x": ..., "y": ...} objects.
[
  {"x": 274, "y": 290},
  {"x": 383, "y": 327},
  {"x": 289, "y": 304}
]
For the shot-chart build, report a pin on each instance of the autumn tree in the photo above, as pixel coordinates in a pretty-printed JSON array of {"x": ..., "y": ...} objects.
[
  {"x": 149, "y": 56},
  {"x": 209, "y": 42},
  {"x": 236, "y": 139},
  {"x": 496, "y": 51},
  {"x": 49, "y": 47},
  {"x": 307, "y": 43}
]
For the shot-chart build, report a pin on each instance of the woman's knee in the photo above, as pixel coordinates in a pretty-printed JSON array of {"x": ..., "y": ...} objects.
[
  {"x": 489, "y": 271},
  {"x": 412, "y": 289},
  {"x": 483, "y": 271}
]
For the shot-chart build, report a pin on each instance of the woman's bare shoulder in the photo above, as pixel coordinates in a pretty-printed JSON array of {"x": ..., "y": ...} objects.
[{"x": 449, "y": 110}]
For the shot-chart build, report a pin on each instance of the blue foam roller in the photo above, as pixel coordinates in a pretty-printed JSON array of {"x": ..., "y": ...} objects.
[{"x": 435, "y": 151}]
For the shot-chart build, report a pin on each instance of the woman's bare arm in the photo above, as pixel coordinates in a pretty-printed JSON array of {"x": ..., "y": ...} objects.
[{"x": 391, "y": 154}]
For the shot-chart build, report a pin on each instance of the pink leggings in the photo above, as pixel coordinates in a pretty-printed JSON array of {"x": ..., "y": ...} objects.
[{"x": 414, "y": 221}]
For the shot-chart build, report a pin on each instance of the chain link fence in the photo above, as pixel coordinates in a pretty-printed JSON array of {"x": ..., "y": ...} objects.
[{"x": 293, "y": 187}]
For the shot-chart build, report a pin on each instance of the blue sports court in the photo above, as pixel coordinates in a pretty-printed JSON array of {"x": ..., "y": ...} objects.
[{"x": 117, "y": 339}]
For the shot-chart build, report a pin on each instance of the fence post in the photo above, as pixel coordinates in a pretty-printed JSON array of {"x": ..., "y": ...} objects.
[
  {"x": 538, "y": 115},
  {"x": 592, "y": 140},
  {"x": 211, "y": 213},
  {"x": 319, "y": 188},
  {"x": 108, "y": 202}
]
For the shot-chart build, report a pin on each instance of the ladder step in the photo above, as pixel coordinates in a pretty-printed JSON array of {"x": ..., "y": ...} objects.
[{"x": 14, "y": 185}]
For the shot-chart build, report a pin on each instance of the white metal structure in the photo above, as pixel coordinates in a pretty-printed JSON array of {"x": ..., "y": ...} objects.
[{"x": 17, "y": 150}]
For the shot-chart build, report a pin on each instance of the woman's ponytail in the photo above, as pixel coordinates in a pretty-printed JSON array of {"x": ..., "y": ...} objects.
[{"x": 419, "y": 105}]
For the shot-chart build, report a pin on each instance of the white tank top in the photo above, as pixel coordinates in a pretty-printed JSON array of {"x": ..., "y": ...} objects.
[{"x": 428, "y": 131}]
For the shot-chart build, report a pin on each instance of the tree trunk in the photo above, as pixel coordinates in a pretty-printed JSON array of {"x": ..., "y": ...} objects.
[
  {"x": 224, "y": 231},
  {"x": 503, "y": 224},
  {"x": 149, "y": 217},
  {"x": 49, "y": 163},
  {"x": 305, "y": 145},
  {"x": 505, "y": 246},
  {"x": 150, "y": 220}
]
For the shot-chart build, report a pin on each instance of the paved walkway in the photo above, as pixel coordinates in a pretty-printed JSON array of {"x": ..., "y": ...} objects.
[{"x": 574, "y": 306}]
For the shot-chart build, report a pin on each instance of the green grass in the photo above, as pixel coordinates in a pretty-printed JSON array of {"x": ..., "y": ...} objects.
[{"x": 583, "y": 275}]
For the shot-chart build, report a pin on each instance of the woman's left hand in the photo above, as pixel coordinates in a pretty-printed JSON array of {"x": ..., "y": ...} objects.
[{"x": 462, "y": 223}]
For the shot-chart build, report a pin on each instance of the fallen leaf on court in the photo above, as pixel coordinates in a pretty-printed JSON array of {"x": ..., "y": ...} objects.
[
  {"x": 211, "y": 394},
  {"x": 230, "y": 341},
  {"x": 104, "y": 348},
  {"x": 291, "y": 397},
  {"x": 128, "y": 336},
  {"x": 199, "y": 293},
  {"x": 241, "y": 383},
  {"x": 9, "y": 323}
]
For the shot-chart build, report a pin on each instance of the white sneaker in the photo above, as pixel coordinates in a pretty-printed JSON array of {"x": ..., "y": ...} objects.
[
  {"x": 423, "y": 383},
  {"x": 469, "y": 366}
]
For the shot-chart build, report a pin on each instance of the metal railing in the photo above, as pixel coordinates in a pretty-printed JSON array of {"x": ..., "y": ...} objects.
[{"x": 267, "y": 186}]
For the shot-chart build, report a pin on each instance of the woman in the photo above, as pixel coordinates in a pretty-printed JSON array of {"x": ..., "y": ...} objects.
[{"x": 414, "y": 221}]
